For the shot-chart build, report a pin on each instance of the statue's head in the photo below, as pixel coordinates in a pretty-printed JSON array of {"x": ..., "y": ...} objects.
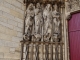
[
  {"x": 48, "y": 7},
  {"x": 31, "y": 6},
  {"x": 38, "y": 5},
  {"x": 55, "y": 7}
]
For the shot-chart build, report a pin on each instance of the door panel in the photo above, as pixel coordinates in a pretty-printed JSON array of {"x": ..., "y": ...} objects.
[
  {"x": 74, "y": 45},
  {"x": 74, "y": 37},
  {"x": 74, "y": 23}
]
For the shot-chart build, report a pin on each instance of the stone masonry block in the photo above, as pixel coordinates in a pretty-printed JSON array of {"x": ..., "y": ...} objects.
[
  {"x": 18, "y": 49},
  {"x": 12, "y": 7},
  {"x": 1, "y": 55},
  {"x": 11, "y": 56},
  {"x": 20, "y": 25},
  {"x": 19, "y": 20},
  {"x": 5, "y": 36},
  {"x": 12, "y": 22},
  {"x": 2, "y": 8},
  {"x": 16, "y": 14},
  {"x": 9, "y": 26},
  {"x": 19, "y": 34},
  {"x": 21, "y": 1},
  {"x": 8, "y": 15},
  {"x": 3, "y": 19},
  {"x": 12, "y": 50},
  {"x": 18, "y": 29},
  {"x": 20, "y": 11},
  {"x": 6, "y": 4},
  {"x": 16, "y": 39},
  {"x": 1, "y": 0},
  {"x": 1, "y": 12},
  {"x": 2, "y": 42},
  {"x": 16, "y": 3},
  {"x": 11, "y": 44},
  {"x": 9, "y": 1},
  {"x": 11, "y": 32},
  {"x": 4, "y": 49},
  {"x": 2, "y": 29},
  {"x": 2, "y": 23}
]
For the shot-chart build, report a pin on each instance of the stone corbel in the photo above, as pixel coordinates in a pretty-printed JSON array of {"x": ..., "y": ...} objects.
[{"x": 68, "y": 16}]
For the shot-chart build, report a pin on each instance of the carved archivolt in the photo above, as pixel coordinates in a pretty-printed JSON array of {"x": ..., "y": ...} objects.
[
  {"x": 42, "y": 21},
  {"x": 72, "y": 5}
]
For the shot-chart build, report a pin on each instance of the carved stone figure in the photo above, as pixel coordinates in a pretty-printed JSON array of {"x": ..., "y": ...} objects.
[
  {"x": 29, "y": 19},
  {"x": 56, "y": 22},
  {"x": 38, "y": 20},
  {"x": 47, "y": 15},
  {"x": 30, "y": 15}
]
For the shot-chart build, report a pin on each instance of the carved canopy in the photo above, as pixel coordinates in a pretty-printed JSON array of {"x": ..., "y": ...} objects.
[{"x": 44, "y": 1}]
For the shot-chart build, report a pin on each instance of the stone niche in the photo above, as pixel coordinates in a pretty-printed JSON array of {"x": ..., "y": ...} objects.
[{"x": 43, "y": 31}]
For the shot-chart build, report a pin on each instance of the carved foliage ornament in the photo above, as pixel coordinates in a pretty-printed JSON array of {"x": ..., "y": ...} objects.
[{"x": 73, "y": 5}]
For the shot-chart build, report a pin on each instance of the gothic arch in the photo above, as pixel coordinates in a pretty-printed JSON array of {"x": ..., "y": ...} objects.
[{"x": 72, "y": 13}]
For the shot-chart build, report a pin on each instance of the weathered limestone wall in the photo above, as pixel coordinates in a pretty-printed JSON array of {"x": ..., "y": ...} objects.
[{"x": 11, "y": 28}]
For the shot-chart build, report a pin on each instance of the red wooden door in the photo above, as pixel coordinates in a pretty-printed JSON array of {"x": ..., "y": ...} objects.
[{"x": 74, "y": 37}]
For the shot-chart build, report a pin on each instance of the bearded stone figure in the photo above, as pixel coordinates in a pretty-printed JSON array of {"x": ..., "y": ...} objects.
[
  {"x": 56, "y": 22},
  {"x": 29, "y": 19},
  {"x": 47, "y": 15}
]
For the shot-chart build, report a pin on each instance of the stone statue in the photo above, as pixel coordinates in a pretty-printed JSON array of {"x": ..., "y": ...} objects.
[
  {"x": 56, "y": 22},
  {"x": 29, "y": 19},
  {"x": 30, "y": 15},
  {"x": 38, "y": 20},
  {"x": 47, "y": 15}
]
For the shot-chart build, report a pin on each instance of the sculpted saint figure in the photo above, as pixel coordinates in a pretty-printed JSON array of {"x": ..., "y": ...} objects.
[
  {"x": 47, "y": 15},
  {"x": 29, "y": 18},
  {"x": 56, "y": 22},
  {"x": 38, "y": 20}
]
